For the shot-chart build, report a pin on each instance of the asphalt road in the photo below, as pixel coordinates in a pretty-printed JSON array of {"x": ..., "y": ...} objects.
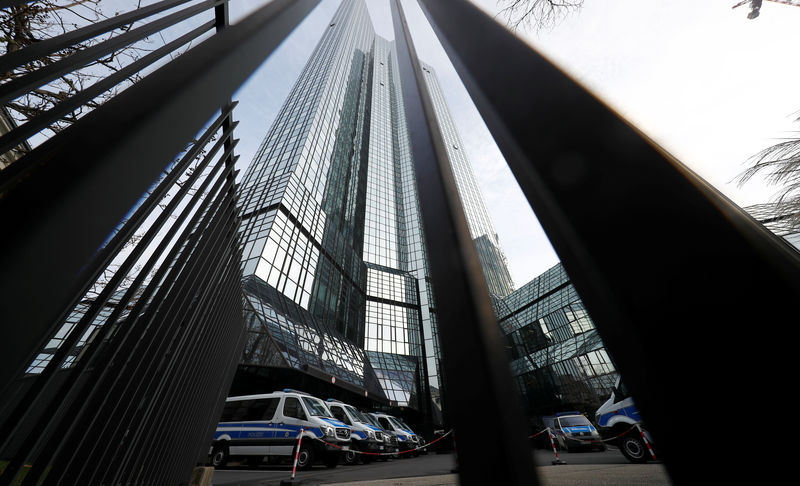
[
  {"x": 426, "y": 465},
  {"x": 544, "y": 457}
]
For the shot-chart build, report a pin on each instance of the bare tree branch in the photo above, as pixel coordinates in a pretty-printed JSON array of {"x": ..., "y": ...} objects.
[
  {"x": 536, "y": 14},
  {"x": 29, "y": 23}
]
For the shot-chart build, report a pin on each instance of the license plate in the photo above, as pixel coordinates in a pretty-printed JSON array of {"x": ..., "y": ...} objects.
[
  {"x": 380, "y": 448},
  {"x": 344, "y": 448}
]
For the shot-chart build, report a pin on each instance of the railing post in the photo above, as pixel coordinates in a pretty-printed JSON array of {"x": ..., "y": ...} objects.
[
  {"x": 476, "y": 370},
  {"x": 683, "y": 285}
]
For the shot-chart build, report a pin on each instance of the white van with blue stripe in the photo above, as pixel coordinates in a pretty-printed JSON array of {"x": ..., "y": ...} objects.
[
  {"x": 619, "y": 417},
  {"x": 406, "y": 438},
  {"x": 365, "y": 437},
  {"x": 255, "y": 427}
]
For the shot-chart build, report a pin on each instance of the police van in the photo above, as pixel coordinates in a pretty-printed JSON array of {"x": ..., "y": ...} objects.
[
  {"x": 389, "y": 438},
  {"x": 418, "y": 439},
  {"x": 255, "y": 427},
  {"x": 406, "y": 439},
  {"x": 618, "y": 416},
  {"x": 363, "y": 435},
  {"x": 573, "y": 431}
]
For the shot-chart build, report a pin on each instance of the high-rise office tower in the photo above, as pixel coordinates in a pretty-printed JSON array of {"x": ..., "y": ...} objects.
[{"x": 334, "y": 257}]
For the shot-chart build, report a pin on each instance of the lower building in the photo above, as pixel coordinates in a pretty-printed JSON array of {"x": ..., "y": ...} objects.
[{"x": 558, "y": 360}]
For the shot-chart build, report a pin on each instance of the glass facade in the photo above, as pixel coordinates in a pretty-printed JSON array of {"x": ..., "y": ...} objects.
[
  {"x": 490, "y": 254},
  {"x": 557, "y": 358},
  {"x": 333, "y": 252},
  {"x": 334, "y": 258}
]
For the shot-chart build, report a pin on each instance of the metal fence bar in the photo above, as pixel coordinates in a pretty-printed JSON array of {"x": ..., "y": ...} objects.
[
  {"x": 148, "y": 379},
  {"x": 46, "y": 47},
  {"x": 40, "y": 122},
  {"x": 476, "y": 370},
  {"x": 668, "y": 267},
  {"x": 114, "y": 154},
  {"x": 70, "y": 454},
  {"x": 216, "y": 332},
  {"x": 47, "y": 435},
  {"x": 16, "y": 418},
  {"x": 19, "y": 86}
]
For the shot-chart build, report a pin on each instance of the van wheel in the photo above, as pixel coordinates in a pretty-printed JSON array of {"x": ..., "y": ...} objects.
[
  {"x": 633, "y": 448},
  {"x": 351, "y": 456},
  {"x": 306, "y": 457},
  {"x": 219, "y": 456}
]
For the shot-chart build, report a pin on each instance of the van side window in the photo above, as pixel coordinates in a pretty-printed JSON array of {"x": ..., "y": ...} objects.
[
  {"x": 292, "y": 408},
  {"x": 241, "y": 411},
  {"x": 272, "y": 407},
  {"x": 236, "y": 411},
  {"x": 338, "y": 412},
  {"x": 262, "y": 409},
  {"x": 385, "y": 423},
  {"x": 227, "y": 412}
]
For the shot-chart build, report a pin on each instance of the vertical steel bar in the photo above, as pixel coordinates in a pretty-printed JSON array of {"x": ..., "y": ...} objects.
[
  {"x": 672, "y": 272},
  {"x": 46, "y": 47},
  {"x": 19, "y": 86},
  {"x": 112, "y": 157},
  {"x": 476, "y": 370}
]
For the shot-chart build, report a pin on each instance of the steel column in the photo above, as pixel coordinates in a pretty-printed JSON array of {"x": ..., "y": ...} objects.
[
  {"x": 688, "y": 292},
  {"x": 476, "y": 371}
]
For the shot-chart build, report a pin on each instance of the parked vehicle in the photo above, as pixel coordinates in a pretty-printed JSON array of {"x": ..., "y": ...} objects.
[
  {"x": 573, "y": 431},
  {"x": 255, "y": 427},
  {"x": 364, "y": 436},
  {"x": 391, "y": 443},
  {"x": 419, "y": 439},
  {"x": 406, "y": 439},
  {"x": 619, "y": 415}
]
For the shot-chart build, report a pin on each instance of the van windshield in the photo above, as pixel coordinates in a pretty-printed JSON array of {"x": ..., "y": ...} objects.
[
  {"x": 373, "y": 421},
  {"x": 574, "y": 421},
  {"x": 356, "y": 414},
  {"x": 394, "y": 422},
  {"x": 316, "y": 407}
]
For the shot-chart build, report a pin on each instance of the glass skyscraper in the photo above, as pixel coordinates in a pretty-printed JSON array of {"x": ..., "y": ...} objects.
[{"x": 334, "y": 258}]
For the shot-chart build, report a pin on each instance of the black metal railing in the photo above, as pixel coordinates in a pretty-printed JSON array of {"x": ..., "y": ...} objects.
[
  {"x": 121, "y": 289},
  {"x": 671, "y": 271},
  {"x": 93, "y": 368}
]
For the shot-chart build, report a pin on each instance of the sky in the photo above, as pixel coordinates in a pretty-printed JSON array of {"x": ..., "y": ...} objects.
[{"x": 709, "y": 85}]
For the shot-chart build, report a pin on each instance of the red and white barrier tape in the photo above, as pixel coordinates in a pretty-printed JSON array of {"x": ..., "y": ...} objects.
[
  {"x": 634, "y": 426},
  {"x": 555, "y": 451},
  {"x": 588, "y": 440},
  {"x": 387, "y": 453},
  {"x": 537, "y": 434},
  {"x": 297, "y": 454},
  {"x": 647, "y": 443}
]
